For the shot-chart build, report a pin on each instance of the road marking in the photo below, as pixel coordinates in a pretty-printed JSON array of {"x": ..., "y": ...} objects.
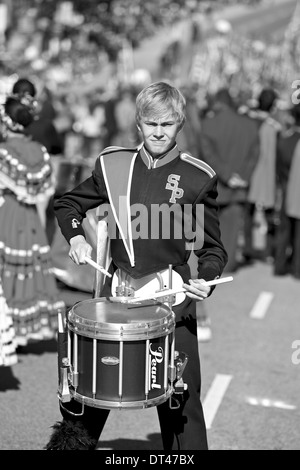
[
  {"x": 261, "y": 305},
  {"x": 214, "y": 397},
  {"x": 270, "y": 403}
]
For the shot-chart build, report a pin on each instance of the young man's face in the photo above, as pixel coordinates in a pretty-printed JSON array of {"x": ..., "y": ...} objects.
[{"x": 159, "y": 135}]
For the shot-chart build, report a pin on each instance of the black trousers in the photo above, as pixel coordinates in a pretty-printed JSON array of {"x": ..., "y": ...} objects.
[
  {"x": 269, "y": 243},
  {"x": 181, "y": 429},
  {"x": 287, "y": 248},
  {"x": 231, "y": 217}
]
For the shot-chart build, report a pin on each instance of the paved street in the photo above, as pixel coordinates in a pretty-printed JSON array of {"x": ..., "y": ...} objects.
[{"x": 250, "y": 385}]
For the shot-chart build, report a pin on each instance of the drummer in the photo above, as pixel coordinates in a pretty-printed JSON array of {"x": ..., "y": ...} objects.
[{"x": 156, "y": 174}]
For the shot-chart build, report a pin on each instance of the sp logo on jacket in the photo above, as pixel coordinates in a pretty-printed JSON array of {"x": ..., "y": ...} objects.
[{"x": 172, "y": 184}]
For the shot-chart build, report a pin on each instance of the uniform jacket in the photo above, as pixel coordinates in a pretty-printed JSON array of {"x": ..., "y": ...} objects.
[{"x": 177, "y": 180}]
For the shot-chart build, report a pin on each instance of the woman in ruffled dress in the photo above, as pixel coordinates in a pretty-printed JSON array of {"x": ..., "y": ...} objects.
[{"x": 29, "y": 301}]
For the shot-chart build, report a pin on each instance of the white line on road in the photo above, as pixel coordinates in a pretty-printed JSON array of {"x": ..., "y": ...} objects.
[
  {"x": 267, "y": 402},
  {"x": 261, "y": 305},
  {"x": 214, "y": 397}
]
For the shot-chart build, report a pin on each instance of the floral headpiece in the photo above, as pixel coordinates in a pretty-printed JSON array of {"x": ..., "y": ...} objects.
[
  {"x": 26, "y": 100},
  {"x": 8, "y": 123}
]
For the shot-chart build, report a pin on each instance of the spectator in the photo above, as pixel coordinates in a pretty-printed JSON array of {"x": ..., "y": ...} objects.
[
  {"x": 41, "y": 129},
  {"x": 28, "y": 284},
  {"x": 126, "y": 135},
  {"x": 262, "y": 195},
  {"x": 230, "y": 145},
  {"x": 287, "y": 246},
  {"x": 93, "y": 129},
  {"x": 188, "y": 137}
]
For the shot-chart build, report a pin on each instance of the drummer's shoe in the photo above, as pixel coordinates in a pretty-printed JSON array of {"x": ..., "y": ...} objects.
[
  {"x": 204, "y": 332},
  {"x": 70, "y": 435}
]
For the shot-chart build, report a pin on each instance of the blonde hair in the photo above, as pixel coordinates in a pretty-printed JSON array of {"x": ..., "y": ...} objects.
[{"x": 159, "y": 99}]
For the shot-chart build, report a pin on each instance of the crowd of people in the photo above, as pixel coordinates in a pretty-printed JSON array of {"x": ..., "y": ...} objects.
[
  {"x": 244, "y": 145},
  {"x": 243, "y": 141}
]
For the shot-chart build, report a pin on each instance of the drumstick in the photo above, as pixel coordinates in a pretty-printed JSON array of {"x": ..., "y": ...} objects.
[
  {"x": 167, "y": 292},
  {"x": 97, "y": 266},
  {"x": 218, "y": 281}
]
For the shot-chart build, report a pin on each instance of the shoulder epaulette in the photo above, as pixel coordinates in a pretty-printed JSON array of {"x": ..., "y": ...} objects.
[
  {"x": 198, "y": 163},
  {"x": 114, "y": 148}
]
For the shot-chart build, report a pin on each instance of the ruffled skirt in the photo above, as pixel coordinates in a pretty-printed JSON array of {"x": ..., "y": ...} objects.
[
  {"x": 8, "y": 345},
  {"x": 29, "y": 287}
]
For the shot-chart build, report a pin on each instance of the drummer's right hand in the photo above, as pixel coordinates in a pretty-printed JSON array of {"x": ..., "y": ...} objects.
[{"x": 79, "y": 249}]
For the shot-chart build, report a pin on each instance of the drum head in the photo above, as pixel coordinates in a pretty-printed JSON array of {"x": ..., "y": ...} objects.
[{"x": 106, "y": 319}]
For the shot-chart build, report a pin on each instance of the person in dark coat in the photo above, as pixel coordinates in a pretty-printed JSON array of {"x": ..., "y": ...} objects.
[
  {"x": 287, "y": 236},
  {"x": 230, "y": 144}
]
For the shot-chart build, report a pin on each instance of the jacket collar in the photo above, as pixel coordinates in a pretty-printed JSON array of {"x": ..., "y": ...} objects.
[{"x": 151, "y": 162}]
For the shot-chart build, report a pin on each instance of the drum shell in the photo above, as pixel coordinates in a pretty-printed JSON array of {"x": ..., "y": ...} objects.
[{"x": 134, "y": 372}]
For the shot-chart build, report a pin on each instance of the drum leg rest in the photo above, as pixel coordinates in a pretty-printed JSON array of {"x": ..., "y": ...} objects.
[{"x": 70, "y": 435}]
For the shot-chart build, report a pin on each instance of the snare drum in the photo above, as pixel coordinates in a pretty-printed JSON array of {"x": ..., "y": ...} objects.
[{"x": 120, "y": 354}]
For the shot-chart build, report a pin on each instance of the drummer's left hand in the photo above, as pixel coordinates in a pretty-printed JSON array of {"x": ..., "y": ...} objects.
[{"x": 196, "y": 289}]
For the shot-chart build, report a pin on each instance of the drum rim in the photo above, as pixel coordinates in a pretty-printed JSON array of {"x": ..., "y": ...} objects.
[
  {"x": 110, "y": 404},
  {"x": 121, "y": 331}
]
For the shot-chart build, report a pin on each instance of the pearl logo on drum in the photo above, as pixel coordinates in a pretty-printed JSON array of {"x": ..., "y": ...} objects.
[{"x": 156, "y": 357}]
